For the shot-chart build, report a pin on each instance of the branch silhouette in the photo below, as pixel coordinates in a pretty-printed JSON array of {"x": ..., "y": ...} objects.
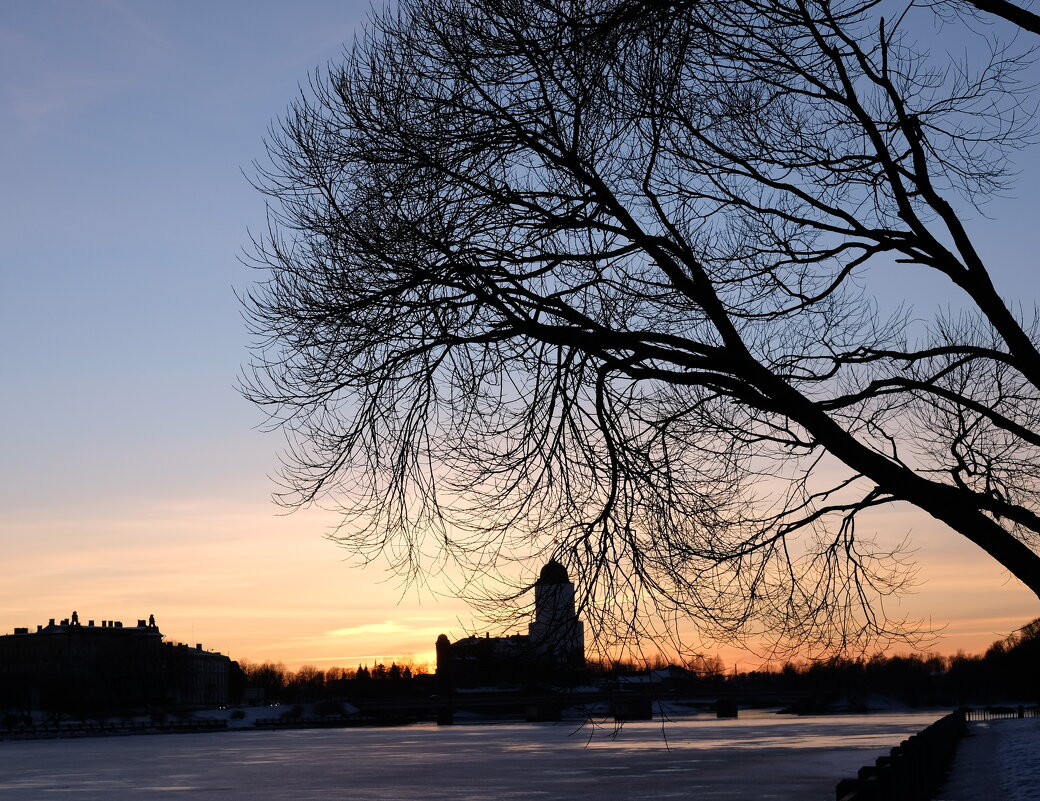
[{"x": 591, "y": 281}]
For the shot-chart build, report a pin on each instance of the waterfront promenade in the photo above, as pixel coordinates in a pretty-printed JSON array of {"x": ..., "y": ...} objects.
[{"x": 996, "y": 759}]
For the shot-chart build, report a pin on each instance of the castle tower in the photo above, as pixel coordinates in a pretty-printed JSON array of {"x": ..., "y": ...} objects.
[
  {"x": 443, "y": 655},
  {"x": 556, "y": 630}
]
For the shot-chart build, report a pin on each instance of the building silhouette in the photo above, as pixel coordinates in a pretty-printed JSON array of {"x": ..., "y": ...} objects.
[
  {"x": 552, "y": 649},
  {"x": 76, "y": 668}
]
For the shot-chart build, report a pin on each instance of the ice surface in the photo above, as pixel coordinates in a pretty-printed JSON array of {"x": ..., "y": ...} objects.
[{"x": 757, "y": 756}]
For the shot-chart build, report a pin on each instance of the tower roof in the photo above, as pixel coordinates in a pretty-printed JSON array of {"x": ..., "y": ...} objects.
[{"x": 553, "y": 573}]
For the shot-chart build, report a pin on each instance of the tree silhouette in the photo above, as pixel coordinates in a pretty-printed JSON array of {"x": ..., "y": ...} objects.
[{"x": 592, "y": 279}]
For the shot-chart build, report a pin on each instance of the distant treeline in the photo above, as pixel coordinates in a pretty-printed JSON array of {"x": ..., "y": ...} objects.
[
  {"x": 309, "y": 683},
  {"x": 1007, "y": 671}
]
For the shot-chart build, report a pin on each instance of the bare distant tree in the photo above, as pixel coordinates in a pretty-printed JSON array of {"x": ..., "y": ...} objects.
[{"x": 590, "y": 279}]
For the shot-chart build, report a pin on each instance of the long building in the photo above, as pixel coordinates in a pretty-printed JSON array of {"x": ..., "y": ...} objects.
[{"x": 78, "y": 668}]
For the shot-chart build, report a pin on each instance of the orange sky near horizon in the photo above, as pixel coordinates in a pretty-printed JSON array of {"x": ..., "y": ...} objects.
[{"x": 263, "y": 587}]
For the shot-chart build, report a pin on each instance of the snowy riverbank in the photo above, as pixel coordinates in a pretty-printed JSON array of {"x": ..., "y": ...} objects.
[{"x": 996, "y": 759}]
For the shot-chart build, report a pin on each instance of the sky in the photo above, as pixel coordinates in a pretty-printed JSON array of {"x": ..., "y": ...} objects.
[{"x": 134, "y": 478}]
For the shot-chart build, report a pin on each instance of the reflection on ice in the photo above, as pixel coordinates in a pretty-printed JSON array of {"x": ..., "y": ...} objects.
[{"x": 758, "y": 755}]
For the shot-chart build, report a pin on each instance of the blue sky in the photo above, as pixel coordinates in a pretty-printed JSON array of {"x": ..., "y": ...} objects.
[
  {"x": 126, "y": 127},
  {"x": 132, "y": 477}
]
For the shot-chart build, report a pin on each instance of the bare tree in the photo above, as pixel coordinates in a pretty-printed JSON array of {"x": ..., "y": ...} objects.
[
  {"x": 629, "y": 12},
  {"x": 591, "y": 280},
  {"x": 1019, "y": 15}
]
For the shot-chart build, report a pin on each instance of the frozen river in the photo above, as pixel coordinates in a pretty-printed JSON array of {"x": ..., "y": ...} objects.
[{"x": 758, "y": 756}]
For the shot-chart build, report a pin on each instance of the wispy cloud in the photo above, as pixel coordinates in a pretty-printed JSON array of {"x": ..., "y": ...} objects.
[
  {"x": 384, "y": 628},
  {"x": 47, "y": 76},
  {"x": 427, "y": 660}
]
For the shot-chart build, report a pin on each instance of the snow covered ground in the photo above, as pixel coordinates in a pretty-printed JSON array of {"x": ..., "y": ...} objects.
[
  {"x": 997, "y": 759},
  {"x": 757, "y": 756}
]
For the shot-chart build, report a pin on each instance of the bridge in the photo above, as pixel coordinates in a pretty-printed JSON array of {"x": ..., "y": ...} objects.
[{"x": 547, "y": 706}]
